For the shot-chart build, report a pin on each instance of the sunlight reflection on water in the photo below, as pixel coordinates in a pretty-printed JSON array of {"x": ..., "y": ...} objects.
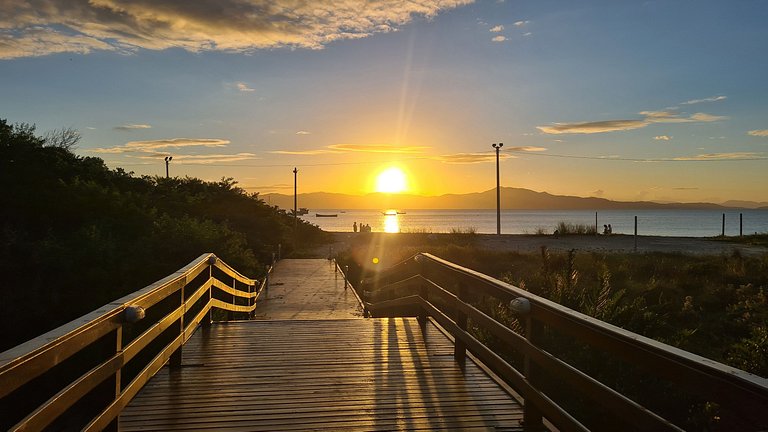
[{"x": 391, "y": 223}]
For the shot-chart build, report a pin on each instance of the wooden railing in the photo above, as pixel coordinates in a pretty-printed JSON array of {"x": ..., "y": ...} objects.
[
  {"x": 427, "y": 286},
  {"x": 82, "y": 374}
]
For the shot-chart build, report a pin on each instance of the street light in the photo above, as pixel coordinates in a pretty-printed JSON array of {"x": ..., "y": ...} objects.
[
  {"x": 295, "y": 202},
  {"x": 167, "y": 160},
  {"x": 498, "y": 189}
]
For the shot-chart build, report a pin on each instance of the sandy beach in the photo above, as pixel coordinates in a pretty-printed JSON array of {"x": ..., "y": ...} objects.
[{"x": 533, "y": 243}]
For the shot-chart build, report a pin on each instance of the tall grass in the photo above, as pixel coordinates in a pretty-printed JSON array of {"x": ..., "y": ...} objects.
[
  {"x": 464, "y": 230},
  {"x": 566, "y": 228}
]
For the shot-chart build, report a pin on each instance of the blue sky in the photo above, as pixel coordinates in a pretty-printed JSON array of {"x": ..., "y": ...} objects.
[{"x": 657, "y": 100}]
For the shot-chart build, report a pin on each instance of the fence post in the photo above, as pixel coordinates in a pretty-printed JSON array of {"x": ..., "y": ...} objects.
[
  {"x": 532, "y": 418},
  {"x": 635, "y": 233},
  {"x": 346, "y": 276},
  {"x": 175, "y": 360},
  {"x": 741, "y": 224},
  {"x": 459, "y": 348},
  {"x": 723, "y": 231},
  {"x": 422, "y": 318}
]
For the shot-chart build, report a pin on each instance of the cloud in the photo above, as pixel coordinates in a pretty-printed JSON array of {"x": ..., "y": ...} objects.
[
  {"x": 662, "y": 138},
  {"x": 471, "y": 158},
  {"x": 243, "y": 87},
  {"x": 305, "y": 152},
  {"x": 497, "y": 29},
  {"x": 41, "y": 27},
  {"x": 685, "y": 188},
  {"x": 375, "y": 148},
  {"x": 758, "y": 132},
  {"x": 525, "y": 149},
  {"x": 521, "y": 23},
  {"x": 150, "y": 146},
  {"x": 526, "y": 34},
  {"x": 499, "y": 38},
  {"x": 709, "y": 99},
  {"x": 301, "y": 132},
  {"x": 128, "y": 127},
  {"x": 593, "y": 127},
  {"x": 598, "y": 193},
  {"x": 203, "y": 159},
  {"x": 723, "y": 156},
  {"x": 273, "y": 187},
  {"x": 650, "y": 117}
]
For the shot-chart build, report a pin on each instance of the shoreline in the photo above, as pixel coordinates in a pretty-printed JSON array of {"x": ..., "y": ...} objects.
[{"x": 527, "y": 243}]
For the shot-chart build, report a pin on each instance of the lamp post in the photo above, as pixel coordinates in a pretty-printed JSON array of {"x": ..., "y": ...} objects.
[
  {"x": 168, "y": 159},
  {"x": 295, "y": 201},
  {"x": 498, "y": 189}
]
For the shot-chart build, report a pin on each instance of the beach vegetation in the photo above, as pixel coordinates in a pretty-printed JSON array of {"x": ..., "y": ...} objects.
[
  {"x": 75, "y": 235},
  {"x": 568, "y": 228}
]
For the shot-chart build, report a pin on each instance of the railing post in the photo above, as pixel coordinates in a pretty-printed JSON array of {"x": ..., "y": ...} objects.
[
  {"x": 346, "y": 276},
  {"x": 532, "y": 419},
  {"x": 175, "y": 360},
  {"x": 208, "y": 320},
  {"x": 230, "y": 314},
  {"x": 459, "y": 348},
  {"x": 117, "y": 389},
  {"x": 424, "y": 293}
]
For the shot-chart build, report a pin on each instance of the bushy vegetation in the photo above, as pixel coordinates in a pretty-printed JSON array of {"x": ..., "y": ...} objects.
[
  {"x": 566, "y": 228},
  {"x": 75, "y": 235}
]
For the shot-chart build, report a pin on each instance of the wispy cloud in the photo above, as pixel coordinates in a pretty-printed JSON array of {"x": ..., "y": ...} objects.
[
  {"x": 471, "y": 158},
  {"x": 306, "y": 152},
  {"x": 593, "y": 127},
  {"x": 497, "y": 29},
  {"x": 127, "y": 127},
  {"x": 243, "y": 87},
  {"x": 685, "y": 188},
  {"x": 153, "y": 145},
  {"x": 709, "y": 99},
  {"x": 723, "y": 156},
  {"x": 758, "y": 132},
  {"x": 203, "y": 159},
  {"x": 662, "y": 138},
  {"x": 650, "y": 117},
  {"x": 42, "y": 27},
  {"x": 270, "y": 188},
  {"x": 499, "y": 38},
  {"x": 521, "y": 23},
  {"x": 378, "y": 148},
  {"x": 301, "y": 132}
]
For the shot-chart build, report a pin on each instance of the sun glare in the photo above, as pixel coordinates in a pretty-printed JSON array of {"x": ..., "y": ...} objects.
[{"x": 391, "y": 180}]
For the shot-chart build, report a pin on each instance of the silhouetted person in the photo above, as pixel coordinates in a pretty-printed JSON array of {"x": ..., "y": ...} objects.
[
  {"x": 354, "y": 226},
  {"x": 610, "y": 230},
  {"x": 605, "y": 229}
]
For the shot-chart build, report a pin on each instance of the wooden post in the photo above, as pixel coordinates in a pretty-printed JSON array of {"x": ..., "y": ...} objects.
[
  {"x": 175, "y": 360},
  {"x": 723, "y": 231},
  {"x": 635, "y": 233},
  {"x": 459, "y": 348},
  {"x": 346, "y": 277},
  {"x": 424, "y": 293},
  {"x": 741, "y": 224},
  {"x": 532, "y": 418},
  {"x": 596, "y": 230},
  {"x": 230, "y": 314},
  {"x": 208, "y": 320}
]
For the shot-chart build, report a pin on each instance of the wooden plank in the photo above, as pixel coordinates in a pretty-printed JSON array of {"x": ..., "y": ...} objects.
[{"x": 350, "y": 374}]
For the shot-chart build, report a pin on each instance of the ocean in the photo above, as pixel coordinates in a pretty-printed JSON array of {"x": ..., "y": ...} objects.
[{"x": 682, "y": 223}]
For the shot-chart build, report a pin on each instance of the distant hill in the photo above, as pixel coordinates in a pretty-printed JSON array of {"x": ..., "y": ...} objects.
[
  {"x": 746, "y": 204},
  {"x": 511, "y": 198}
]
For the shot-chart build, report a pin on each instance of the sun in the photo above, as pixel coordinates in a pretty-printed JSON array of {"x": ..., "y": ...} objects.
[{"x": 391, "y": 180}]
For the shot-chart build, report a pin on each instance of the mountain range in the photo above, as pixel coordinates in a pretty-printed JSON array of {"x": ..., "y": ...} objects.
[{"x": 511, "y": 198}]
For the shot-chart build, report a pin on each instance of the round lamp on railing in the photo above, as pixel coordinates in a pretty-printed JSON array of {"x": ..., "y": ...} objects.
[
  {"x": 520, "y": 306},
  {"x": 212, "y": 260},
  {"x": 134, "y": 313}
]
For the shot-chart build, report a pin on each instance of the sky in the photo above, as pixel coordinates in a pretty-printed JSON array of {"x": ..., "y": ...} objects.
[{"x": 625, "y": 100}]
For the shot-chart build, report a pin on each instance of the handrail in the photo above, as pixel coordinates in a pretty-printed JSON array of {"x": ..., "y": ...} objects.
[
  {"x": 153, "y": 322},
  {"x": 348, "y": 282},
  {"x": 736, "y": 389}
]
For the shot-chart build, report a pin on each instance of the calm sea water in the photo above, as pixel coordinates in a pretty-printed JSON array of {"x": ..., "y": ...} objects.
[{"x": 685, "y": 223}]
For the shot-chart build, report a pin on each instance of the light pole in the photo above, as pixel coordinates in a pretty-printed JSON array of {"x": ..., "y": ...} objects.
[
  {"x": 498, "y": 189},
  {"x": 168, "y": 159},
  {"x": 295, "y": 201}
]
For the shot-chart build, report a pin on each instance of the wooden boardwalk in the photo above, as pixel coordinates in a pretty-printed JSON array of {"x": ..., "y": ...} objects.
[
  {"x": 307, "y": 289},
  {"x": 320, "y": 374}
]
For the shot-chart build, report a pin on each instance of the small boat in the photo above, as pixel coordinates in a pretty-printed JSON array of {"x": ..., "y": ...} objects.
[
  {"x": 302, "y": 211},
  {"x": 392, "y": 213},
  {"x": 326, "y": 215}
]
